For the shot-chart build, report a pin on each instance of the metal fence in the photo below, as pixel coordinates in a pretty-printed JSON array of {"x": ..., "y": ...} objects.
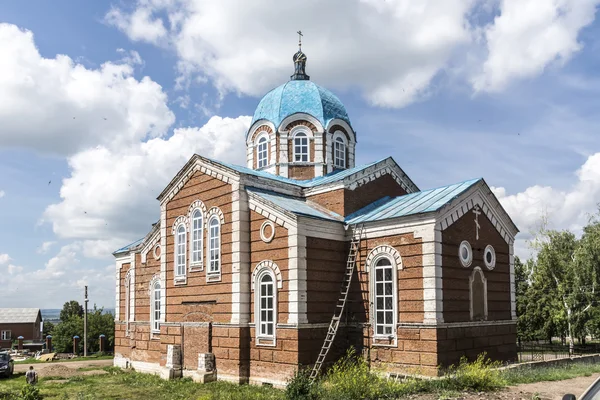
[{"x": 533, "y": 351}]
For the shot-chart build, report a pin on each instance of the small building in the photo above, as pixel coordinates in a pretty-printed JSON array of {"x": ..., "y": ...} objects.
[
  {"x": 246, "y": 262},
  {"x": 15, "y": 322}
]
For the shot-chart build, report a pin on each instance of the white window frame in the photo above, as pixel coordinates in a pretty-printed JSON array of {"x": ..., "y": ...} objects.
[
  {"x": 492, "y": 264},
  {"x": 301, "y": 134},
  {"x": 478, "y": 270},
  {"x": 6, "y": 335},
  {"x": 155, "y": 306},
  {"x": 212, "y": 250},
  {"x": 263, "y": 161},
  {"x": 339, "y": 139},
  {"x": 196, "y": 261},
  {"x": 258, "y": 296},
  {"x": 466, "y": 246},
  {"x": 261, "y": 269},
  {"x": 374, "y": 296},
  {"x": 180, "y": 251}
]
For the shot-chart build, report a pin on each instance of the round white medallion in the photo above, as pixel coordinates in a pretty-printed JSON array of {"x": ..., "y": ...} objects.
[
  {"x": 465, "y": 253},
  {"x": 267, "y": 231},
  {"x": 156, "y": 252},
  {"x": 489, "y": 257}
]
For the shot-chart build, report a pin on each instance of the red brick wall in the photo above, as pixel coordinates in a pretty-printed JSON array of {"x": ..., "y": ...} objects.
[
  {"x": 346, "y": 201},
  {"x": 455, "y": 277},
  {"x": 410, "y": 278},
  {"x": 277, "y": 251},
  {"x": 325, "y": 263},
  {"x": 122, "y": 290},
  {"x": 212, "y": 192},
  {"x": 29, "y": 331},
  {"x": 143, "y": 276}
]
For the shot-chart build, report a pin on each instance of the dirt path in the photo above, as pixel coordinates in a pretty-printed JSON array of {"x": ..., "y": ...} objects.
[
  {"x": 71, "y": 365},
  {"x": 555, "y": 390}
]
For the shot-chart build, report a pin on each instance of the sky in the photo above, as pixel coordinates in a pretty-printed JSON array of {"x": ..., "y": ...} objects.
[{"x": 102, "y": 102}]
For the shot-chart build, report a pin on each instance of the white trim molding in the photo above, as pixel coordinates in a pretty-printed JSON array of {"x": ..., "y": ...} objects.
[{"x": 269, "y": 238}]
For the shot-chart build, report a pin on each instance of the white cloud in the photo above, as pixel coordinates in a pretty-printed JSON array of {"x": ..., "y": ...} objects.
[
  {"x": 55, "y": 105},
  {"x": 528, "y": 35},
  {"x": 391, "y": 50},
  {"x": 565, "y": 209},
  {"x": 45, "y": 247},
  {"x": 60, "y": 280},
  {"x": 2, "y": 193},
  {"x": 128, "y": 181},
  {"x": 4, "y": 258}
]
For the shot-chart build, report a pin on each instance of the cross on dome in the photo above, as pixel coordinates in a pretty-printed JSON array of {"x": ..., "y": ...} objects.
[{"x": 299, "y": 62}]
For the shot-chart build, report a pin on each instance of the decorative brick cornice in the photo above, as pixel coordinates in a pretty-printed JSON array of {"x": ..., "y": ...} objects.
[
  {"x": 384, "y": 249},
  {"x": 215, "y": 211},
  {"x": 270, "y": 265},
  {"x": 181, "y": 220}
]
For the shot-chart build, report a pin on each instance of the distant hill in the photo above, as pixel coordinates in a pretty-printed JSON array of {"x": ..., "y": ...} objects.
[{"x": 53, "y": 314}]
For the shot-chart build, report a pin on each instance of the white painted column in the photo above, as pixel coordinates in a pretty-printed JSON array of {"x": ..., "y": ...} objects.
[
  {"x": 240, "y": 286},
  {"x": 283, "y": 155},
  {"x": 511, "y": 260},
  {"x": 328, "y": 152},
  {"x": 432, "y": 275},
  {"x": 250, "y": 155},
  {"x": 351, "y": 149},
  {"x": 297, "y": 277},
  {"x": 318, "y": 138},
  {"x": 132, "y": 289},
  {"x": 163, "y": 262}
]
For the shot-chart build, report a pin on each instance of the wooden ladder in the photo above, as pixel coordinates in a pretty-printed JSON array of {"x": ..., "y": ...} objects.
[{"x": 341, "y": 303}]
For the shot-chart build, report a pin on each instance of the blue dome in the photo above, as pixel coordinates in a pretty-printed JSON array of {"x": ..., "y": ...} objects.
[{"x": 300, "y": 96}]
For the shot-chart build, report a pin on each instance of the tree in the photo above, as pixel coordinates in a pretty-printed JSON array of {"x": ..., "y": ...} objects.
[
  {"x": 47, "y": 329},
  {"x": 569, "y": 272},
  {"x": 71, "y": 309},
  {"x": 100, "y": 323},
  {"x": 62, "y": 340}
]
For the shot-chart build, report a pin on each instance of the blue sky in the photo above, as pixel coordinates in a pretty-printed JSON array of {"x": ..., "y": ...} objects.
[{"x": 102, "y": 102}]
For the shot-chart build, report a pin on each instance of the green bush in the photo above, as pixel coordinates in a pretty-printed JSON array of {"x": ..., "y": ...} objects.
[
  {"x": 351, "y": 378},
  {"x": 299, "y": 387},
  {"x": 30, "y": 392},
  {"x": 480, "y": 375}
]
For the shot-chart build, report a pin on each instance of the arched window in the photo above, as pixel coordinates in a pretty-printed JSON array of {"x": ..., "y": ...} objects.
[
  {"x": 262, "y": 154},
  {"x": 478, "y": 295},
  {"x": 265, "y": 298},
  {"x": 197, "y": 237},
  {"x": 384, "y": 297},
  {"x": 180, "y": 239},
  {"x": 301, "y": 147},
  {"x": 339, "y": 153},
  {"x": 155, "y": 303},
  {"x": 214, "y": 250}
]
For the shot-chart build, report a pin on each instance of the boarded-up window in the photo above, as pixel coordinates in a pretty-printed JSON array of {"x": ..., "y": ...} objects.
[{"x": 478, "y": 288}]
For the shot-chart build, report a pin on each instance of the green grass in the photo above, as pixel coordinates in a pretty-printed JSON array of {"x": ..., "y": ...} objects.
[
  {"x": 34, "y": 361},
  {"x": 350, "y": 378},
  {"x": 132, "y": 385},
  {"x": 553, "y": 373}
]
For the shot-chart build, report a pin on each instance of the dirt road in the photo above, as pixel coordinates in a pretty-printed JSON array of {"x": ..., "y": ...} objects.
[{"x": 74, "y": 365}]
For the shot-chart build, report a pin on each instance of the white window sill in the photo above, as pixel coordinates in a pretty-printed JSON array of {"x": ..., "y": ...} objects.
[
  {"x": 180, "y": 280},
  {"x": 197, "y": 266},
  {"x": 385, "y": 341},
  {"x": 213, "y": 276},
  {"x": 266, "y": 341}
]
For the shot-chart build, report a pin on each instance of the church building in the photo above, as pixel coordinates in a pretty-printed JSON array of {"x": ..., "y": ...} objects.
[{"x": 252, "y": 271}]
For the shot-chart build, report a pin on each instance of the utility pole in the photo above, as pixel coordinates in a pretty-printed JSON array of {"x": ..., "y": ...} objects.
[{"x": 85, "y": 323}]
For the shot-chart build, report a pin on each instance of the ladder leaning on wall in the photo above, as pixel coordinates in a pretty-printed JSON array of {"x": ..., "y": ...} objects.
[{"x": 341, "y": 303}]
